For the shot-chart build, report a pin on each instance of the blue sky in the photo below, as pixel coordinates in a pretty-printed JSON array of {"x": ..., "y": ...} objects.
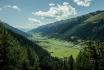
[{"x": 28, "y": 14}]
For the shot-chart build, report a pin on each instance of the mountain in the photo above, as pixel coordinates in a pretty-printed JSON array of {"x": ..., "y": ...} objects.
[
  {"x": 19, "y": 53},
  {"x": 85, "y": 27},
  {"x": 10, "y": 28}
]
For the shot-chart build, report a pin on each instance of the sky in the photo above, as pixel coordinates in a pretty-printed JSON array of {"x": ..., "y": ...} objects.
[{"x": 28, "y": 14}]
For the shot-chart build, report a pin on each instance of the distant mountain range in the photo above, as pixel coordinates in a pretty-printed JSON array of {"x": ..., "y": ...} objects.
[{"x": 85, "y": 27}]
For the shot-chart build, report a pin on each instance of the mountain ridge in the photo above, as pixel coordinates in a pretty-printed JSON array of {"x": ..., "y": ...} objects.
[{"x": 78, "y": 27}]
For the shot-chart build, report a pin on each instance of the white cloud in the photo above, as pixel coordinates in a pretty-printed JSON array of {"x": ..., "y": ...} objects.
[
  {"x": 85, "y": 3},
  {"x": 0, "y": 9},
  {"x": 35, "y": 21},
  {"x": 27, "y": 26},
  {"x": 57, "y": 12},
  {"x": 31, "y": 23},
  {"x": 51, "y": 4},
  {"x": 15, "y": 7},
  {"x": 65, "y": 3}
]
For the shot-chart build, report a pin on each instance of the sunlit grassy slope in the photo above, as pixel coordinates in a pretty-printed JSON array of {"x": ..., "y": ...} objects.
[
  {"x": 57, "y": 48},
  {"x": 96, "y": 17}
]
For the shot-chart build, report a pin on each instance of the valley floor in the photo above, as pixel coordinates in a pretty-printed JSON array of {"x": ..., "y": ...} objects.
[{"x": 57, "y": 48}]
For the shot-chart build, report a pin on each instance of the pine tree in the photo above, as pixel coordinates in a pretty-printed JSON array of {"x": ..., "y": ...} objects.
[
  {"x": 71, "y": 62},
  {"x": 3, "y": 48}
]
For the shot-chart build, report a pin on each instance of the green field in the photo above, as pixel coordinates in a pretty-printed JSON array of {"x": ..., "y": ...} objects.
[{"x": 57, "y": 48}]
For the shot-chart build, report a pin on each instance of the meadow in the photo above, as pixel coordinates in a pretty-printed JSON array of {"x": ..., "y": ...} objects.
[{"x": 57, "y": 48}]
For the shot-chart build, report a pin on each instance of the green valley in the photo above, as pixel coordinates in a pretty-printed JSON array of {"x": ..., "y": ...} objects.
[{"x": 57, "y": 48}]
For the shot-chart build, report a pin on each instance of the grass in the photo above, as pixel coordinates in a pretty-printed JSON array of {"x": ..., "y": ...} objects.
[
  {"x": 57, "y": 48},
  {"x": 96, "y": 17}
]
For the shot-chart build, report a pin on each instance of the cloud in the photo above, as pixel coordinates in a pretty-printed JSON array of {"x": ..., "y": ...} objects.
[
  {"x": 35, "y": 21},
  {"x": 51, "y": 4},
  {"x": 57, "y": 12},
  {"x": 15, "y": 7},
  {"x": 26, "y": 26},
  {"x": 31, "y": 23},
  {"x": 84, "y": 3},
  {"x": 0, "y": 9},
  {"x": 65, "y": 3}
]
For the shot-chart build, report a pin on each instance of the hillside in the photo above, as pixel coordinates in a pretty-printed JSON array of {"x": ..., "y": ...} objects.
[
  {"x": 85, "y": 27},
  {"x": 14, "y": 30},
  {"x": 19, "y": 53},
  {"x": 14, "y": 54},
  {"x": 20, "y": 38}
]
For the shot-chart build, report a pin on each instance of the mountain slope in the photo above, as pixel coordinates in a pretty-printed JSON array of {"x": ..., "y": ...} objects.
[
  {"x": 17, "y": 34},
  {"x": 14, "y": 54},
  {"x": 19, "y": 53},
  {"x": 8, "y": 27},
  {"x": 89, "y": 26}
]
